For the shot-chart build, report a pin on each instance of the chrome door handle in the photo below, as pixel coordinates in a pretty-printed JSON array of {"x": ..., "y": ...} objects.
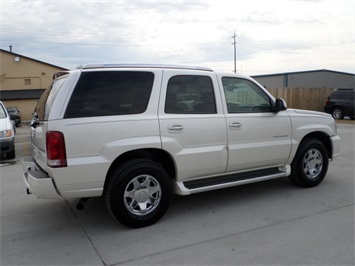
[
  {"x": 235, "y": 125},
  {"x": 175, "y": 128}
]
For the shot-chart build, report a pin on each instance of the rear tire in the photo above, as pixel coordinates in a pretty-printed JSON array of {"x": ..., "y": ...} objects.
[
  {"x": 138, "y": 193},
  {"x": 338, "y": 113},
  {"x": 310, "y": 164}
]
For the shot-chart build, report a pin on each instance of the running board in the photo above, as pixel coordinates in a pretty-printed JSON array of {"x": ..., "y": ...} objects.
[{"x": 202, "y": 185}]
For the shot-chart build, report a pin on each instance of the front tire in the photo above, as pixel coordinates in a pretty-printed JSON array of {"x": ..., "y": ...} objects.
[
  {"x": 310, "y": 164},
  {"x": 138, "y": 193}
]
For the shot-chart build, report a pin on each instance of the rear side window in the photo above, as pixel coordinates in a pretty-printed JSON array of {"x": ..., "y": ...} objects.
[
  {"x": 110, "y": 93},
  {"x": 189, "y": 94},
  {"x": 340, "y": 95}
]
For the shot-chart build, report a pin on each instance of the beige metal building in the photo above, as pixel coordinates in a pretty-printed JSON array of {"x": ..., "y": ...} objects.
[
  {"x": 23, "y": 80},
  {"x": 322, "y": 78}
]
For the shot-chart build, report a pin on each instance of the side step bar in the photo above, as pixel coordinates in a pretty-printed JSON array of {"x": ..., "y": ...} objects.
[{"x": 207, "y": 184}]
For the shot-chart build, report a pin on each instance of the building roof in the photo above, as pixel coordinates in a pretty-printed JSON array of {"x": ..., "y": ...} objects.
[
  {"x": 29, "y": 58},
  {"x": 303, "y": 72}
]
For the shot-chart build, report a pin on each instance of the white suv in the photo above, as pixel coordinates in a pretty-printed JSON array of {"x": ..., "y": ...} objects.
[{"x": 135, "y": 134}]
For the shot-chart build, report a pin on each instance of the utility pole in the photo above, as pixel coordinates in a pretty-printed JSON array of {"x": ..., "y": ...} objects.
[{"x": 235, "y": 51}]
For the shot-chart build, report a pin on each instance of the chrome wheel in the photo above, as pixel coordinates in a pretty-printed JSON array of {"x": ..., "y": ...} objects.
[
  {"x": 310, "y": 164},
  {"x": 142, "y": 195},
  {"x": 313, "y": 163},
  {"x": 337, "y": 113}
]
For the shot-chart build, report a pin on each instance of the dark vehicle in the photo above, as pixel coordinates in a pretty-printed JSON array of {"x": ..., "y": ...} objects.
[
  {"x": 15, "y": 114},
  {"x": 341, "y": 103}
]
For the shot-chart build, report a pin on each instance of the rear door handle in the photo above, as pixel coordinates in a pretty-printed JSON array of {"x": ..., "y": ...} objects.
[
  {"x": 175, "y": 128},
  {"x": 235, "y": 125}
]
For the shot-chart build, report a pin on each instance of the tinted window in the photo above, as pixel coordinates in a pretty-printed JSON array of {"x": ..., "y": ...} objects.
[
  {"x": 341, "y": 95},
  {"x": 110, "y": 93},
  {"x": 244, "y": 96},
  {"x": 190, "y": 95}
]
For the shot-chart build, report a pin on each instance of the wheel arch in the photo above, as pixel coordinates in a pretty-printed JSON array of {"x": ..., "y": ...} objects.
[
  {"x": 157, "y": 155},
  {"x": 337, "y": 106},
  {"x": 322, "y": 137}
]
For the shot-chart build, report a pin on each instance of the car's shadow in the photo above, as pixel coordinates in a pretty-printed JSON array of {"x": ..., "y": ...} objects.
[{"x": 199, "y": 204}]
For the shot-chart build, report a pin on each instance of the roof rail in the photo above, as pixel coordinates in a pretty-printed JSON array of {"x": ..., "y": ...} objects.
[{"x": 90, "y": 66}]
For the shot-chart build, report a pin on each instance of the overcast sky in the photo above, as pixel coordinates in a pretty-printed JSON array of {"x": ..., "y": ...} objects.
[{"x": 273, "y": 36}]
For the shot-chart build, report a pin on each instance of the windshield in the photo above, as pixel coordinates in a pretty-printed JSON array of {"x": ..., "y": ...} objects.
[{"x": 2, "y": 111}]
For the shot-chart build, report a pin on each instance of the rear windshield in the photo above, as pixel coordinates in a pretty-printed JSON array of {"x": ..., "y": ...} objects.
[
  {"x": 107, "y": 93},
  {"x": 45, "y": 103}
]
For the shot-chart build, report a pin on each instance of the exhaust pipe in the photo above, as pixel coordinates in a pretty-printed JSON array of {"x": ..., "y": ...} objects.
[{"x": 81, "y": 204}]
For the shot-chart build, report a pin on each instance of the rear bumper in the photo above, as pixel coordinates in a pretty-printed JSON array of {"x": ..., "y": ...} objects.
[{"x": 37, "y": 181}]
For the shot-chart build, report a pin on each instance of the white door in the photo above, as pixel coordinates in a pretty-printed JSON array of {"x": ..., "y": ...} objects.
[
  {"x": 192, "y": 123},
  {"x": 257, "y": 136}
]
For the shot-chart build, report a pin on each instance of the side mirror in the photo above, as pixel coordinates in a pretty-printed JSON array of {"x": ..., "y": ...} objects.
[{"x": 280, "y": 105}]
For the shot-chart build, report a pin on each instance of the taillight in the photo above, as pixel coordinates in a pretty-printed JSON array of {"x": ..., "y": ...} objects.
[
  {"x": 327, "y": 101},
  {"x": 56, "y": 154}
]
